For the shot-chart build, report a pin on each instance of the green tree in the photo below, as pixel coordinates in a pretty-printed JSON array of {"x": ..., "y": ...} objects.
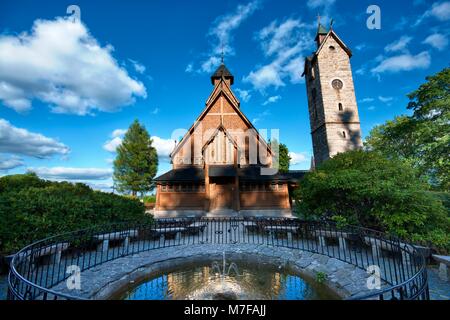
[
  {"x": 137, "y": 161},
  {"x": 282, "y": 156},
  {"x": 422, "y": 139},
  {"x": 367, "y": 189}
]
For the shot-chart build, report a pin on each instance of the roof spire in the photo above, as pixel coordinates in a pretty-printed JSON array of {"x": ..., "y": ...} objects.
[{"x": 222, "y": 55}]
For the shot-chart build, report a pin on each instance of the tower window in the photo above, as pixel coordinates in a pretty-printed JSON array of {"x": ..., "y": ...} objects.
[
  {"x": 344, "y": 134},
  {"x": 332, "y": 48},
  {"x": 340, "y": 107}
]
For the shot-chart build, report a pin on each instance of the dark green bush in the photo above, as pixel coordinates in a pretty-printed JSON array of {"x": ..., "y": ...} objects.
[
  {"x": 366, "y": 189},
  {"x": 32, "y": 209}
]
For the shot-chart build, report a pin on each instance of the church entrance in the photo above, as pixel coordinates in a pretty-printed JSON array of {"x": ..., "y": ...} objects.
[{"x": 222, "y": 194}]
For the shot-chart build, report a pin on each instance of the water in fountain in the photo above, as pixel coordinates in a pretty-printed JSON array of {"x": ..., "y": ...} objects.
[{"x": 224, "y": 289}]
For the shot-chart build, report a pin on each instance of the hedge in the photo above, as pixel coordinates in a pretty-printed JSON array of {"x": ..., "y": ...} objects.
[{"x": 32, "y": 209}]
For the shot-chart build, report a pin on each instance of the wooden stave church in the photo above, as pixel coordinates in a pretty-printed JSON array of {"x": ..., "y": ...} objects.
[{"x": 199, "y": 185}]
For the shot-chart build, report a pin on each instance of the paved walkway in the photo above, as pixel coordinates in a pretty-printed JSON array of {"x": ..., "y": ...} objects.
[
  {"x": 439, "y": 289},
  {"x": 3, "y": 286}
]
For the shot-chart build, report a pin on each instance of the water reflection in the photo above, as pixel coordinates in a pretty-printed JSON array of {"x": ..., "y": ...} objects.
[{"x": 254, "y": 282}]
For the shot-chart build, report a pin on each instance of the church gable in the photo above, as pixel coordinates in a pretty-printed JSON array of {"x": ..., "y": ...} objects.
[{"x": 221, "y": 111}]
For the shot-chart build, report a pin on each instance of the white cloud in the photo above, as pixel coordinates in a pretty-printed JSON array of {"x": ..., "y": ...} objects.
[
  {"x": 155, "y": 110},
  {"x": 437, "y": 41},
  {"x": 261, "y": 116},
  {"x": 138, "y": 67},
  {"x": 405, "y": 62},
  {"x": 189, "y": 68},
  {"x": 366, "y": 100},
  {"x": 297, "y": 158},
  {"x": 118, "y": 133},
  {"x": 10, "y": 162},
  {"x": 244, "y": 94},
  {"x": 60, "y": 63},
  {"x": 439, "y": 11},
  {"x": 371, "y": 108},
  {"x": 221, "y": 34},
  {"x": 312, "y": 4},
  {"x": 264, "y": 77},
  {"x": 285, "y": 43},
  {"x": 163, "y": 147},
  {"x": 23, "y": 142},
  {"x": 111, "y": 145},
  {"x": 361, "y": 46},
  {"x": 385, "y": 99},
  {"x": 399, "y": 45},
  {"x": 67, "y": 173},
  {"x": 210, "y": 64},
  {"x": 272, "y": 99}
]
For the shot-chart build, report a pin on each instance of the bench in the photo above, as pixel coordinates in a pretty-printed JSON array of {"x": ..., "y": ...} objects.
[
  {"x": 54, "y": 252},
  {"x": 275, "y": 230},
  {"x": 341, "y": 236},
  {"x": 444, "y": 265},
  {"x": 120, "y": 235},
  {"x": 196, "y": 227},
  {"x": 163, "y": 232},
  {"x": 378, "y": 245},
  {"x": 251, "y": 226}
]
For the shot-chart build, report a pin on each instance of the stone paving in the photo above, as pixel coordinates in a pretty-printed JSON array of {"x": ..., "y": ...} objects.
[
  {"x": 439, "y": 289},
  {"x": 3, "y": 286}
]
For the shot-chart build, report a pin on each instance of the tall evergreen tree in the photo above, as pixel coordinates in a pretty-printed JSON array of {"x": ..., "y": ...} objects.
[
  {"x": 137, "y": 161},
  {"x": 282, "y": 156}
]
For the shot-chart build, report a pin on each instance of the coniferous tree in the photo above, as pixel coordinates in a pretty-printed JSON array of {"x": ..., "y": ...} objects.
[{"x": 136, "y": 163}]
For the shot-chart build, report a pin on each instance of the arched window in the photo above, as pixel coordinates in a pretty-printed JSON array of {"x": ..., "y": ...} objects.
[
  {"x": 332, "y": 48},
  {"x": 340, "y": 107},
  {"x": 344, "y": 134}
]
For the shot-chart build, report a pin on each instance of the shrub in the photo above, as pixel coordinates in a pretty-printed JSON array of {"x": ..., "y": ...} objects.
[
  {"x": 32, "y": 209},
  {"x": 150, "y": 199},
  {"x": 366, "y": 189}
]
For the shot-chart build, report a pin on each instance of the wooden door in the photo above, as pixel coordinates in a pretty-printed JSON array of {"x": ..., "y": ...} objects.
[{"x": 223, "y": 196}]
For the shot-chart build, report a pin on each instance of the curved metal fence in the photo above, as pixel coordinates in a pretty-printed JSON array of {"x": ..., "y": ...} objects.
[{"x": 38, "y": 268}]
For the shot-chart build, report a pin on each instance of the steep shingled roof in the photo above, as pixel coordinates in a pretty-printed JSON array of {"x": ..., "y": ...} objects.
[{"x": 222, "y": 71}]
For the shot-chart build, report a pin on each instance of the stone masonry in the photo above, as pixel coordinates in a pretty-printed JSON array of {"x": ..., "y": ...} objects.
[{"x": 333, "y": 110}]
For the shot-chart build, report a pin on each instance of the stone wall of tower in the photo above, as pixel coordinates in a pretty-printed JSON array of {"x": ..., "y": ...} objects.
[{"x": 334, "y": 118}]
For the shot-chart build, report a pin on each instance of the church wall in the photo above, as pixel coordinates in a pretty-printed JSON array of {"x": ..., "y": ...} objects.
[{"x": 265, "y": 199}]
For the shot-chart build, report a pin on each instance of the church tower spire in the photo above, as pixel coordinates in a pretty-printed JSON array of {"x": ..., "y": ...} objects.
[
  {"x": 333, "y": 111},
  {"x": 222, "y": 72}
]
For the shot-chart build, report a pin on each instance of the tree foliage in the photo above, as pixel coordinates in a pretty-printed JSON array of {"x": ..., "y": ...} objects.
[
  {"x": 282, "y": 156},
  {"x": 32, "y": 209},
  {"x": 367, "y": 189},
  {"x": 422, "y": 139},
  {"x": 136, "y": 163}
]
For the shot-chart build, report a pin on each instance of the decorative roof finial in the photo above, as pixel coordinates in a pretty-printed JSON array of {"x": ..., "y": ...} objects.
[
  {"x": 331, "y": 23},
  {"x": 222, "y": 55},
  {"x": 318, "y": 18}
]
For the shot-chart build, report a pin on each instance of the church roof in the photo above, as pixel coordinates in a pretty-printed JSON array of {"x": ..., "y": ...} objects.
[
  {"x": 186, "y": 174},
  {"x": 251, "y": 173},
  {"x": 321, "y": 30},
  {"x": 222, "y": 71}
]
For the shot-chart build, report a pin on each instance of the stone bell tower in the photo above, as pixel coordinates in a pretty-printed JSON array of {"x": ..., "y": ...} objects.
[{"x": 333, "y": 112}]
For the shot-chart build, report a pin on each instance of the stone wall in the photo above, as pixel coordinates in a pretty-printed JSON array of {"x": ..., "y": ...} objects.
[{"x": 333, "y": 112}]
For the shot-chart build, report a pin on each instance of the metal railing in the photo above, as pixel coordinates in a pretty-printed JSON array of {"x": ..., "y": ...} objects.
[{"x": 37, "y": 269}]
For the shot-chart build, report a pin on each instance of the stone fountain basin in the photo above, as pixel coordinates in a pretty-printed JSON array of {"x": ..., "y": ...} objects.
[{"x": 108, "y": 279}]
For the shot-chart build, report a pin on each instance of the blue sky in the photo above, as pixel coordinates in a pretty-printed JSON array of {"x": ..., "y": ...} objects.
[{"x": 67, "y": 90}]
